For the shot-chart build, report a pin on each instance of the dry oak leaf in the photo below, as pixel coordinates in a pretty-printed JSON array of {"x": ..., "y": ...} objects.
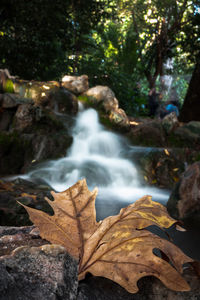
[{"x": 119, "y": 247}]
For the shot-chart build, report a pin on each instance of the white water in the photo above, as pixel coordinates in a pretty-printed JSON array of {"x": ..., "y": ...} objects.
[{"x": 99, "y": 156}]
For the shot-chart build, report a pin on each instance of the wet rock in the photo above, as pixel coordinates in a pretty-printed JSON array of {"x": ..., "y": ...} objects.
[
  {"x": 13, "y": 100},
  {"x": 14, "y": 152},
  {"x": 49, "y": 146},
  {"x": 162, "y": 167},
  {"x": 76, "y": 84},
  {"x": 6, "y": 120},
  {"x": 148, "y": 134},
  {"x": 45, "y": 272},
  {"x": 31, "y": 133},
  {"x": 184, "y": 202},
  {"x": 62, "y": 101},
  {"x": 28, "y": 193},
  {"x": 25, "y": 116}
]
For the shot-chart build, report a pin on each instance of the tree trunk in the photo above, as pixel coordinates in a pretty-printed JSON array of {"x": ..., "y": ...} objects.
[{"x": 191, "y": 106}]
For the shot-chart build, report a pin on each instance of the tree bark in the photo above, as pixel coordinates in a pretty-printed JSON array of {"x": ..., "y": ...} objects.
[{"x": 191, "y": 107}]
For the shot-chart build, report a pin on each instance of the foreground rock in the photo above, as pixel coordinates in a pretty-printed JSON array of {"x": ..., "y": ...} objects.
[
  {"x": 45, "y": 272},
  {"x": 30, "y": 268},
  {"x": 184, "y": 203}
]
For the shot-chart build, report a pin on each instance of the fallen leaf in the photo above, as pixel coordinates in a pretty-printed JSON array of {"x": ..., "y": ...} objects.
[
  {"x": 145, "y": 178},
  {"x": 119, "y": 247},
  {"x": 74, "y": 218},
  {"x": 176, "y": 179},
  {"x": 166, "y": 152}
]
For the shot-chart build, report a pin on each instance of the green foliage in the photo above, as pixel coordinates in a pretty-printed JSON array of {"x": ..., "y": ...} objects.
[
  {"x": 117, "y": 43},
  {"x": 37, "y": 36},
  {"x": 32, "y": 40}
]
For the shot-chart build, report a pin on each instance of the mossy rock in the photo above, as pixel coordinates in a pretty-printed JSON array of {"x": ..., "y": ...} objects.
[{"x": 8, "y": 86}]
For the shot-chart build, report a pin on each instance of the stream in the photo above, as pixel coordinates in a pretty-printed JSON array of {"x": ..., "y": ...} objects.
[
  {"x": 106, "y": 160},
  {"x": 103, "y": 158}
]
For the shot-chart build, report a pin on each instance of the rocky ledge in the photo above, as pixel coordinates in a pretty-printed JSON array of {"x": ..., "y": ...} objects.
[{"x": 31, "y": 268}]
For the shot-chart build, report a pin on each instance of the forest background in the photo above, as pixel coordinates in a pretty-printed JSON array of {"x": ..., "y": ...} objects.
[{"x": 117, "y": 43}]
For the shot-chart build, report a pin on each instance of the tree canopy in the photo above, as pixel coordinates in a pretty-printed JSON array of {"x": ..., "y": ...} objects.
[{"x": 117, "y": 43}]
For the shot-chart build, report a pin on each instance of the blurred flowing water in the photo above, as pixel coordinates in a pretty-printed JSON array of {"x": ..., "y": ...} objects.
[
  {"x": 103, "y": 158},
  {"x": 109, "y": 162}
]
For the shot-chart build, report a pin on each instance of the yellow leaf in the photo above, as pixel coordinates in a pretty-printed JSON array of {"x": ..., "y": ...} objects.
[
  {"x": 166, "y": 152},
  {"x": 119, "y": 247},
  {"x": 176, "y": 179}
]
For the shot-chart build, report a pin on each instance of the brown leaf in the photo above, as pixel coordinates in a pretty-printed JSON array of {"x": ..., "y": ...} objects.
[
  {"x": 118, "y": 248},
  {"x": 74, "y": 218}
]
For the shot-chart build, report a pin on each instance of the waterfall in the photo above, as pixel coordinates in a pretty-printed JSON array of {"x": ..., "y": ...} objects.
[{"x": 100, "y": 156}]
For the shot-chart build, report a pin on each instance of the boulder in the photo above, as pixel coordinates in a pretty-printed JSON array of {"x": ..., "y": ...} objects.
[
  {"x": 104, "y": 100},
  {"x": 102, "y": 97},
  {"x": 31, "y": 133},
  {"x": 31, "y": 268},
  {"x": 25, "y": 116},
  {"x": 46, "y": 272},
  {"x": 170, "y": 122},
  {"x": 61, "y": 100},
  {"x": 15, "y": 151},
  {"x": 10, "y": 100},
  {"x": 35, "y": 90},
  {"x": 148, "y": 134},
  {"x": 187, "y": 135},
  {"x": 76, "y": 84},
  {"x": 119, "y": 119},
  {"x": 184, "y": 202},
  {"x": 6, "y": 118}
]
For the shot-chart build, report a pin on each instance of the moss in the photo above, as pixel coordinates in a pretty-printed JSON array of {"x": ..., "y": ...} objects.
[
  {"x": 9, "y": 86},
  {"x": 106, "y": 122},
  {"x": 86, "y": 99}
]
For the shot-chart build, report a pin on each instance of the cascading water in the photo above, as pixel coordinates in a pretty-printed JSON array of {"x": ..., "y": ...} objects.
[{"x": 100, "y": 156}]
